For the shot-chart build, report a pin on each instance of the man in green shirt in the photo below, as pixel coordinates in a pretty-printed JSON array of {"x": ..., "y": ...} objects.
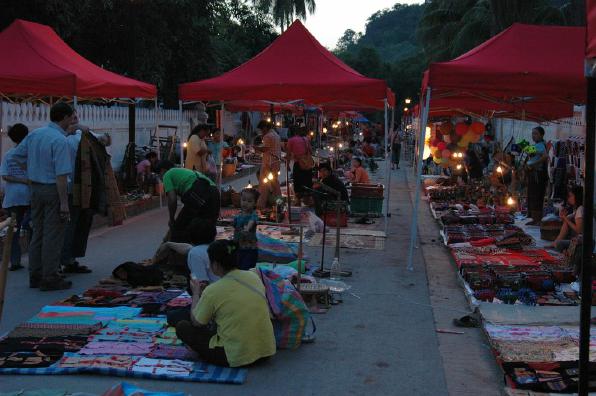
[{"x": 196, "y": 191}]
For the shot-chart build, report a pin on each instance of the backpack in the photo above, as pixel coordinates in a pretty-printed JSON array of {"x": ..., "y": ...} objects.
[{"x": 290, "y": 313}]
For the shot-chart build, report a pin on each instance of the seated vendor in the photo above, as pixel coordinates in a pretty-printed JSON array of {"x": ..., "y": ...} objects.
[
  {"x": 202, "y": 233},
  {"x": 358, "y": 174},
  {"x": 328, "y": 188},
  {"x": 198, "y": 193},
  {"x": 238, "y": 305},
  {"x": 145, "y": 171},
  {"x": 573, "y": 223}
]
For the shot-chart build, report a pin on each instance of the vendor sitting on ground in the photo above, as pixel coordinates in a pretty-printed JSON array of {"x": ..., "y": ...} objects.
[
  {"x": 202, "y": 233},
  {"x": 573, "y": 224},
  {"x": 238, "y": 305},
  {"x": 358, "y": 174},
  {"x": 145, "y": 176},
  {"x": 328, "y": 188},
  {"x": 197, "y": 192}
]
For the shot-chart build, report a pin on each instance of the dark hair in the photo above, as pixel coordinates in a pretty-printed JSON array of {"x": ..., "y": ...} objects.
[
  {"x": 202, "y": 231},
  {"x": 540, "y": 130},
  {"x": 59, "y": 111},
  {"x": 165, "y": 165},
  {"x": 224, "y": 252},
  {"x": 325, "y": 165},
  {"x": 578, "y": 193},
  {"x": 255, "y": 193},
  {"x": 17, "y": 133},
  {"x": 199, "y": 128},
  {"x": 358, "y": 160},
  {"x": 150, "y": 155},
  {"x": 264, "y": 125}
]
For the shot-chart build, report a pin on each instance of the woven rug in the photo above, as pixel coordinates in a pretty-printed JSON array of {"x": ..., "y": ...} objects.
[{"x": 369, "y": 242}]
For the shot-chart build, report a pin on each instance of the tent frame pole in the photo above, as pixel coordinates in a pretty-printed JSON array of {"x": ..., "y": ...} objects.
[
  {"x": 389, "y": 165},
  {"x": 414, "y": 229},
  {"x": 221, "y": 140},
  {"x": 181, "y": 133},
  {"x": 386, "y": 106},
  {"x": 158, "y": 146},
  {"x": 588, "y": 236}
]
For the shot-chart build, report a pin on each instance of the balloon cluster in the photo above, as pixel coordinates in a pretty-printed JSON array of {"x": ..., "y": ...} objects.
[{"x": 449, "y": 141}]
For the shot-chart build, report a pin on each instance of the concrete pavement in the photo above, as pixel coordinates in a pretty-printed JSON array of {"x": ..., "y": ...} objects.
[{"x": 380, "y": 341}]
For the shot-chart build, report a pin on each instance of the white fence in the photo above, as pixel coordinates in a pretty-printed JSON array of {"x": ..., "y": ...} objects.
[{"x": 113, "y": 119}]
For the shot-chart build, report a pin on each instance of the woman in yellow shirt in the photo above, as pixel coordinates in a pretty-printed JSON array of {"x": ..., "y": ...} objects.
[
  {"x": 238, "y": 305},
  {"x": 197, "y": 150}
]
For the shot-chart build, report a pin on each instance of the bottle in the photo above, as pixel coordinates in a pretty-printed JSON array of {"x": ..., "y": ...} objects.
[{"x": 335, "y": 270}]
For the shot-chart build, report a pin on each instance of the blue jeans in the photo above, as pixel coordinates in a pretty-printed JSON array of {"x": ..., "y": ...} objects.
[{"x": 23, "y": 219}]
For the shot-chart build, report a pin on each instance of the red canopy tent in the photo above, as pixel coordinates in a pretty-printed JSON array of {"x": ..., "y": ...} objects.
[
  {"x": 525, "y": 66},
  {"x": 591, "y": 30},
  {"x": 35, "y": 61},
  {"x": 523, "y": 61},
  {"x": 295, "y": 66}
]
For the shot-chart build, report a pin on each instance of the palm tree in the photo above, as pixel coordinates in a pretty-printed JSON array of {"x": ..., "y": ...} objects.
[{"x": 284, "y": 11}]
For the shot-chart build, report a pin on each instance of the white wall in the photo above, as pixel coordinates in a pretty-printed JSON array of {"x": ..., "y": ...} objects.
[{"x": 113, "y": 120}]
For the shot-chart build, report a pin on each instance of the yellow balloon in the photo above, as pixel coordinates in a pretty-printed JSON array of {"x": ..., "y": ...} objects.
[{"x": 437, "y": 160}]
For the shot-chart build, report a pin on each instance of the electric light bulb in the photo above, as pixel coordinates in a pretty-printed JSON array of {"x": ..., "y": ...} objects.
[
  {"x": 270, "y": 176},
  {"x": 341, "y": 145},
  {"x": 312, "y": 133},
  {"x": 405, "y": 109},
  {"x": 330, "y": 148},
  {"x": 461, "y": 155},
  {"x": 278, "y": 123},
  {"x": 268, "y": 119},
  {"x": 510, "y": 201},
  {"x": 240, "y": 141},
  {"x": 324, "y": 130},
  {"x": 408, "y": 100},
  {"x": 265, "y": 180},
  {"x": 184, "y": 144},
  {"x": 458, "y": 167},
  {"x": 499, "y": 169},
  {"x": 249, "y": 185},
  {"x": 278, "y": 173}
]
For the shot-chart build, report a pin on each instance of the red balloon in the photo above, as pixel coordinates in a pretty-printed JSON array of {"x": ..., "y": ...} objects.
[
  {"x": 477, "y": 128},
  {"x": 461, "y": 128}
]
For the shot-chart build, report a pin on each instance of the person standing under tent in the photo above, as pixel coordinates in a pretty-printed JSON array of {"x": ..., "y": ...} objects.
[
  {"x": 537, "y": 177},
  {"x": 396, "y": 141},
  {"x": 298, "y": 149},
  {"x": 198, "y": 193},
  {"x": 46, "y": 154},
  {"x": 216, "y": 146},
  {"x": 197, "y": 150},
  {"x": 271, "y": 149},
  {"x": 17, "y": 194}
]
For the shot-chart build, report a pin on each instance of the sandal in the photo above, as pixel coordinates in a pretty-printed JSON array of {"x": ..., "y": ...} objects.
[{"x": 466, "y": 321}]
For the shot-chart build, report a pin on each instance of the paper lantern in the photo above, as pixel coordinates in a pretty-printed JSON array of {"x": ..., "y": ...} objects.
[
  {"x": 442, "y": 146},
  {"x": 446, "y": 153},
  {"x": 446, "y": 128},
  {"x": 461, "y": 128},
  {"x": 477, "y": 128}
]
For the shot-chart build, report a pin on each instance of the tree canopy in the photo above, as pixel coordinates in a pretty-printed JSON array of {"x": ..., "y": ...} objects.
[{"x": 399, "y": 43}]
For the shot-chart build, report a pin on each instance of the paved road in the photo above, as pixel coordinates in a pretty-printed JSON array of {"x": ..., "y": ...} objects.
[{"x": 380, "y": 341}]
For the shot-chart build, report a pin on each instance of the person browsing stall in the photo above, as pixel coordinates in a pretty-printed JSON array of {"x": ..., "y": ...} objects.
[
  {"x": 45, "y": 153},
  {"x": 197, "y": 192},
  {"x": 17, "y": 193},
  {"x": 197, "y": 150},
  {"x": 271, "y": 149},
  {"x": 537, "y": 176},
  {"x": 237, "y": 303}
]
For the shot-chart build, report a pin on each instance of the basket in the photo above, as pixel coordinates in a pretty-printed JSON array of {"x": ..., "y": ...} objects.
[
  {"x": 368, "y": 206},
  {"x": 330, "y": 219}
]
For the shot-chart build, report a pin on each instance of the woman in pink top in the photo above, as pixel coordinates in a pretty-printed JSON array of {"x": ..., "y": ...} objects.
[
  {"x": 299, "y": 151},
  {"x": 358, "y": 174}
]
